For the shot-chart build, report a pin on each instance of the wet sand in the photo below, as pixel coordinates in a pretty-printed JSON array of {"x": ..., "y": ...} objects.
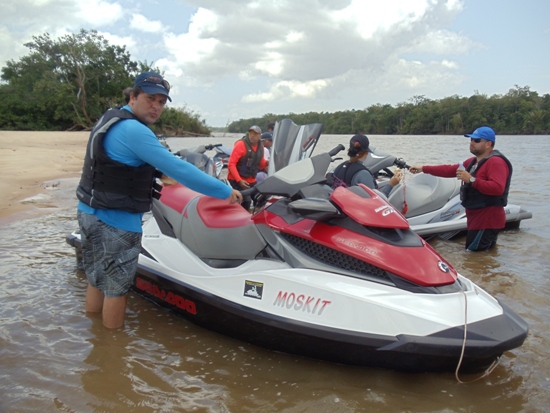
[{"x": 30, "y": 164}]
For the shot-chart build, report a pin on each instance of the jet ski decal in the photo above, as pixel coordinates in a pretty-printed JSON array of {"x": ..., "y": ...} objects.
[
  {"x": 253, "y": 289},
  {"x": 171, "y": 298},
  {"x": 356, "y": 245},
  {"x": 443, "y": 267},
  {"x": 372, "y": 211},
  {"x": 301, "y": 302}
]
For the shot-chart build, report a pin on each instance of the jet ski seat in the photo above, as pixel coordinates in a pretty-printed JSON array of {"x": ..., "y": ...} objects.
[
  {"x": 211, "y": 228},
  {"x": 424, "y": 193}
]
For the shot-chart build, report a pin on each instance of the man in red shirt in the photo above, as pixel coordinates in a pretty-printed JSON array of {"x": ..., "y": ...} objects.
[
  {"x": 485, "y": 185},
  {"x": 247, "y": 157}
]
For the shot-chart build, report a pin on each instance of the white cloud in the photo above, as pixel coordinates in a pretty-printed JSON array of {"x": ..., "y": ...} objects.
[
  {"x": 272, "y": 64},
  {"x": 288, "y": 90},
  {"x": 248, "y": 57},
  {"x": 193, "y": 45},
  {"x": 127, "y": 41},
  {"x": 443, "y": 42},
  {"x": 356, "y": 35},
  {"x": 99, "y": 12},
  {"x": 143, "y": 24},
  {"x": 23, "y": 19},
  {"x": 294, "y": 36},
  {"x": 368, "y": 18}
]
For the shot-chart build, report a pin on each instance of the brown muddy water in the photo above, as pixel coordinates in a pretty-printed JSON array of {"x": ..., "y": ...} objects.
[{"x": 55, "y": 358}]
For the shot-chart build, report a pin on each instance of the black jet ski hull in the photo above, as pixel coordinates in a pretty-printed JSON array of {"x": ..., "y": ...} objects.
[{"x": 440, "y": 352}]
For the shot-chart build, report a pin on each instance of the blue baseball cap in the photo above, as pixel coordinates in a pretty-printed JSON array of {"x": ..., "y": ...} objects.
[
  {"x": 153, "y": 84},
  {"x": 483, "y": 132}
]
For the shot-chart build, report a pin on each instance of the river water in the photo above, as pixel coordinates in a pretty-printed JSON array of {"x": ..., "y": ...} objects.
[{"x": 55, "y": 358}]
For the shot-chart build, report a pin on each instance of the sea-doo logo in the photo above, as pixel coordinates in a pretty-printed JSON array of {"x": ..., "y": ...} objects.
[
  {"x": 253, "y": 289},
  {"x": 169, "y": 297},
  {"x": 301, "y": 302},
  {"x": 355, "y": 245},
  {"x": 443, "y": 267}
]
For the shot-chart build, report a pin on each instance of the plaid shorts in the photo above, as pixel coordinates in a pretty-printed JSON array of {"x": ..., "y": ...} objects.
[{"x": 109, "y": 255}]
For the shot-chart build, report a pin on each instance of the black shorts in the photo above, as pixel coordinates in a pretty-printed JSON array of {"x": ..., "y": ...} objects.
[{"x": 482, "y": 239}]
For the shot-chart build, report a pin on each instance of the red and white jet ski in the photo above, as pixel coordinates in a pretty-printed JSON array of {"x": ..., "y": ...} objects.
[
  {"x": 433, "y": 205},
  {"x": 334, "y": 275}
]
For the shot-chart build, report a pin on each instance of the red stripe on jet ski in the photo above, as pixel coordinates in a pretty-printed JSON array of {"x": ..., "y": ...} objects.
[
  {"x": 177, "y": 196},
  {"x": 217, "y": 213},
  {"x": 373, "y": 212}
]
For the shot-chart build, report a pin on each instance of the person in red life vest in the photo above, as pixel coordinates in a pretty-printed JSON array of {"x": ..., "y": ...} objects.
[
  {"x": 486, "y": 181},
  {"x": 246, "y": 159}
]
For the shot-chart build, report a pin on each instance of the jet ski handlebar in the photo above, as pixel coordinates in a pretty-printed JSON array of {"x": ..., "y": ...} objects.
[
  {"x": 400, "y": 163},
  {"x": 212, "y": 146},
  {"x": 337, "y": 149},
  {"x": 249, "y": 192},
  {"x": 198, "y": 149}
]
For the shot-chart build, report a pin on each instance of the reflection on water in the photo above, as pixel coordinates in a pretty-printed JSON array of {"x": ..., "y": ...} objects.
[{"x": 53, "y": 357}]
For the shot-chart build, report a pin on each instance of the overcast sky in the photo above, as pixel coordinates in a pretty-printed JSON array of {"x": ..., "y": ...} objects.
[{"x": 233, "y": 59}]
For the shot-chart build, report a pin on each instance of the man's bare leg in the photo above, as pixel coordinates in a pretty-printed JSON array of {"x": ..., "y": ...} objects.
[
  {"x": 114, "y": 311},
  {"x": 94, "y": 300}
]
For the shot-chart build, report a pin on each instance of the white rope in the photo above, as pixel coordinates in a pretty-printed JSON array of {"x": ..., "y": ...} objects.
[{"x": 490, "y": 368}]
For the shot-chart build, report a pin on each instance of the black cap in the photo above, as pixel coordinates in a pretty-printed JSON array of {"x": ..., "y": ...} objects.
[{"x": 360, "y": 142}]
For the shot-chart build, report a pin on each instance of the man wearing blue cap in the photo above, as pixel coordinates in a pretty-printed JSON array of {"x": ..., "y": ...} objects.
[
  {"x": 267, "y": 142},
  {"x": 117, "y": 187},
  {"x": 485, "y": 185}
]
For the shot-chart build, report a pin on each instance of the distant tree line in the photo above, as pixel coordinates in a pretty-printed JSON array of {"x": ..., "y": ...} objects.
[
  {"x": 519, "y": 112},
  {"x": 68, "y": 83}
]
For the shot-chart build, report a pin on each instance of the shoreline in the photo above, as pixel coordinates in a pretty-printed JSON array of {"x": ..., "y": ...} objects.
[{"x": 32, "y": 166}]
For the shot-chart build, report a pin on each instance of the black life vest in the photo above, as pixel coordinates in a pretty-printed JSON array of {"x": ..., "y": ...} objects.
[
  {"x": 473, "y": 199},
  {"x": 109, "y": 184},
  {"x": 344, "y": 173},
  {"x": 249, "y": 163}
]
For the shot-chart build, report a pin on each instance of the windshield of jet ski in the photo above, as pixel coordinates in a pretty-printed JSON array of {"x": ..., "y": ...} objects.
[
  {"x": 201, "y": 161},
  {"x": 292, "y": 143},
  {"x": 292, "y": 178},
  {"x": 223, "y": 151},
  {"x": 377, "y": 160}
]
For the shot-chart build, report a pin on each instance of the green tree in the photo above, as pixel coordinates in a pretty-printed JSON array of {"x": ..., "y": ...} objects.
[
  {"x": 178, "y": 122},
  {"x": 535, "y": 121},
  {"x": 68, "y": 82},
  {"x": 519, "y": 111}
]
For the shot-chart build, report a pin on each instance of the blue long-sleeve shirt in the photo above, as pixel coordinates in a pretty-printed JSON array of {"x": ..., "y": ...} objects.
[{"x": 132, "y": 143}]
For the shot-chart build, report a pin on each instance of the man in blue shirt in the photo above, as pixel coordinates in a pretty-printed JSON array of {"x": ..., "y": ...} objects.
[{"x": 117, "y": 187}]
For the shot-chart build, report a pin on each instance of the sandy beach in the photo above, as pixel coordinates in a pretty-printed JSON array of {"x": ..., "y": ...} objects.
[{"x": 29, "y": 161}]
